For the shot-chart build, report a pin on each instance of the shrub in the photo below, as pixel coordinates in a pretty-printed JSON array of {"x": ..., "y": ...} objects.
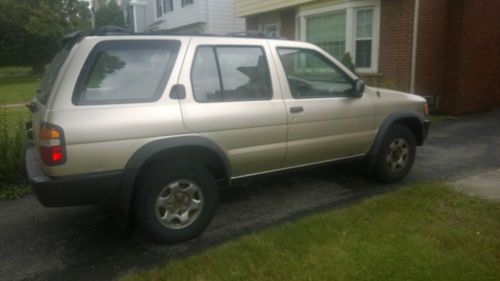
[
  {"x": 12, "y": 140},
  {"x": 347, "y": 62}
]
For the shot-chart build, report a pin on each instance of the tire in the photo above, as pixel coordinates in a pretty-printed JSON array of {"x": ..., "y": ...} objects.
[
  {"x": 175, "y": 202},
  {"x": 396, "y": 155}
]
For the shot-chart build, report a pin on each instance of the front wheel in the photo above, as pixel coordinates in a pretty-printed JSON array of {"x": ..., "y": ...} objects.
[
  {"x": 175, "y": 202},
  {"x": 396, "y": 155}
]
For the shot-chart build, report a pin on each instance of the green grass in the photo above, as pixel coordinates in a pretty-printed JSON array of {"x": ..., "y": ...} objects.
[
  {"x": 18, "y": 89},
  {"x": 14, "y": 70},
  {"x": 423, "y": 232}
]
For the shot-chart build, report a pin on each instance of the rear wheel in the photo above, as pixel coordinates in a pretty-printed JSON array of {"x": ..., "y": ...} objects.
[
  {"x": 396, "y": 155},
  {"x": 175, "y": 202}
]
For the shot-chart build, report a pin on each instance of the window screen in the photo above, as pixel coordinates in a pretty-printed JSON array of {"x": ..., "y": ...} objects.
[
  {"x": 328, "y": 32},
  {"x": 364, "y": 37},
  {"x": 230, "y": 74},
  {"x": 126, "y": 72}
]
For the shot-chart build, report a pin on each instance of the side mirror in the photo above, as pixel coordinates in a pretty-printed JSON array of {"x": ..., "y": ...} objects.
[{"x": 359, "y": 88}]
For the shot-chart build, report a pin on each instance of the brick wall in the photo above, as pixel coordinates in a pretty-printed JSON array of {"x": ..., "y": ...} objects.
[
  {"x": 471, "y": 83},
  {"x": 396, "y": 33},
  {"x": 431, "y": 48},
  {"x": 285, "y": 17},
  {"x": 252, "y": 23},
  {"x": 288, "y": 23}
]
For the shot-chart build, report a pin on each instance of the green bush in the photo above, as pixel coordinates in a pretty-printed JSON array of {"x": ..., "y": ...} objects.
[
  {"x": 347, "y": 62},
  {"x": 12, "y": 172}
]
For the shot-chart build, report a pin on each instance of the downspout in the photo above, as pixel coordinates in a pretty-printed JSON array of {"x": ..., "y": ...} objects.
[{"x": 414, "y": 47}]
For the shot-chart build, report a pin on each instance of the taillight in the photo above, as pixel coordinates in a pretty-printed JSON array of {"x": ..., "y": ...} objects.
[
  {"x": 51, "y": 143},
  {"x": 426, "y": 109}
]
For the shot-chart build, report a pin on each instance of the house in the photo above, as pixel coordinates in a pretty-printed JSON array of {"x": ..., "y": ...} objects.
[
  {"x": 184, "y": 16},
  {"x": 447, "y": 50}
]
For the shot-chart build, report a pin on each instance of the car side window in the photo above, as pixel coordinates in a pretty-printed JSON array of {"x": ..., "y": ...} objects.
[
  {"x": 126, "y": 72},
  {"x": 230, "y": 73},
  {"x": 311, "y": 75}
]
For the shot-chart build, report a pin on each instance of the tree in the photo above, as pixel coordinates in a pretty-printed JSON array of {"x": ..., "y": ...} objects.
[
  {"x": 30, "y": 30},
  {"x": 110, "y": 14}
]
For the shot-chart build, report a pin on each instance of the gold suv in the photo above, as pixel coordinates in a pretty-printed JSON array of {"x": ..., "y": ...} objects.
[{"x": 155, "y": 124}]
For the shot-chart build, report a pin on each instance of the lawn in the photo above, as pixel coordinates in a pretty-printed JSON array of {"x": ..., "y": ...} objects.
[
  {"x": 14, "y": 71},
  {"x": 18, "y": 89},
  {"x": 422, "y": 232}
]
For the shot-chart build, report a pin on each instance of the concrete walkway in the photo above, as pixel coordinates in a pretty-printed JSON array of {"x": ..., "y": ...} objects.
[
  {"x": 14, "y": 105},
  {"x": 485, "y": 185}
]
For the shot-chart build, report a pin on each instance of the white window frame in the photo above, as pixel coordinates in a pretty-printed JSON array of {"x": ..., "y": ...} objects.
[
  {"x": 277, "y": 25},
  {"x": 161, "y": 9},
  {"x": 350, "y": 8}
]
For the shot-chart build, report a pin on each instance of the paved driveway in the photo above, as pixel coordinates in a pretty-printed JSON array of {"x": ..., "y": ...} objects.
[{"x": 81, "y": 243}]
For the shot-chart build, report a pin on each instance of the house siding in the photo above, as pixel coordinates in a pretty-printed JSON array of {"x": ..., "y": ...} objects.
[
  {"x": 252, "y": 7},
  {"x": 183, "y": 16},
  {"x": 221, "y": 18}
]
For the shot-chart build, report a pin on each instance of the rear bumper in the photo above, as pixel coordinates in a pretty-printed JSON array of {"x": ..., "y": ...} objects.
[{"x": 87, "y": 189}]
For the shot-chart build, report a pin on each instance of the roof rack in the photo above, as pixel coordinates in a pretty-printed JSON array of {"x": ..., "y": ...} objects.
[
  {"x": 110, "y": 30},
  {"x": 250, "y": 34},
  {"x": 170, "y": 32}
]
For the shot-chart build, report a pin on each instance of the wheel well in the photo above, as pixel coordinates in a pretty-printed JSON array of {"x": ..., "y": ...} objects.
[
  {"x": 204, "y": 156},
  {"x": 415, "y": 127}
]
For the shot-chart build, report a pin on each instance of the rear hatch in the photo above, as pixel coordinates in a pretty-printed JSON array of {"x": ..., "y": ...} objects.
[{"x": 39, "y": 106}]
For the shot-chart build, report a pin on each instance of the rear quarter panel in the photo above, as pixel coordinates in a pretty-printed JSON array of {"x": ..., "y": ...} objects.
[{"x": 103, "y": 137}]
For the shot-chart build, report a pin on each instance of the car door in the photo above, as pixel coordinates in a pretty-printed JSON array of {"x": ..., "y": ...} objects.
[
  {"x": 326, "y": 119},
  {"x": 231, "y": 99}
]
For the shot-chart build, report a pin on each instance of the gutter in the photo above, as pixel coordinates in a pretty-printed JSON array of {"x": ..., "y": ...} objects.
[{"x": 414, "y": 46}]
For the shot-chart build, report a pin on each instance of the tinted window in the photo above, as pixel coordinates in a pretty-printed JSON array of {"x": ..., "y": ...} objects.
[
  {"x": 205, "y": 77},
  {"x": 311, "y": 75},
  {"x": 51, "y": 74},
  {"x": 230, "y": 74},
  {"x": 126, "y": 72}
]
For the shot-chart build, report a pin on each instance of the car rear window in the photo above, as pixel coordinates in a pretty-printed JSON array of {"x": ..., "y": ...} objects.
[
  {"x": 50, "y": 76},
  {"x": 126, "y": 71}
]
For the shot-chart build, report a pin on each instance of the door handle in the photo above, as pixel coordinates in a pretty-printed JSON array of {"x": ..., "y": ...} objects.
[{"x": 296, "y": 109}]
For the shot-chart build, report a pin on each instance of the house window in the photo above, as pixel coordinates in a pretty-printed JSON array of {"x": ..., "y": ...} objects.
[
  {"x": 186, "y": 2},
  {"x": 328, "y": 32},
  {"x": 163, "y": 7},
  {"x": 364, "y": 37},
  {"x": 159, "y": 8},
  {"x": 351, "y": 27},
  {"x": 271, "y": 29},
  {"x": 168, "y": 6}
]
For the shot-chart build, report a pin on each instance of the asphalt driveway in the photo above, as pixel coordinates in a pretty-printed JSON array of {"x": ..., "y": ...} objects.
[{"x": 81, "y": 243}]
